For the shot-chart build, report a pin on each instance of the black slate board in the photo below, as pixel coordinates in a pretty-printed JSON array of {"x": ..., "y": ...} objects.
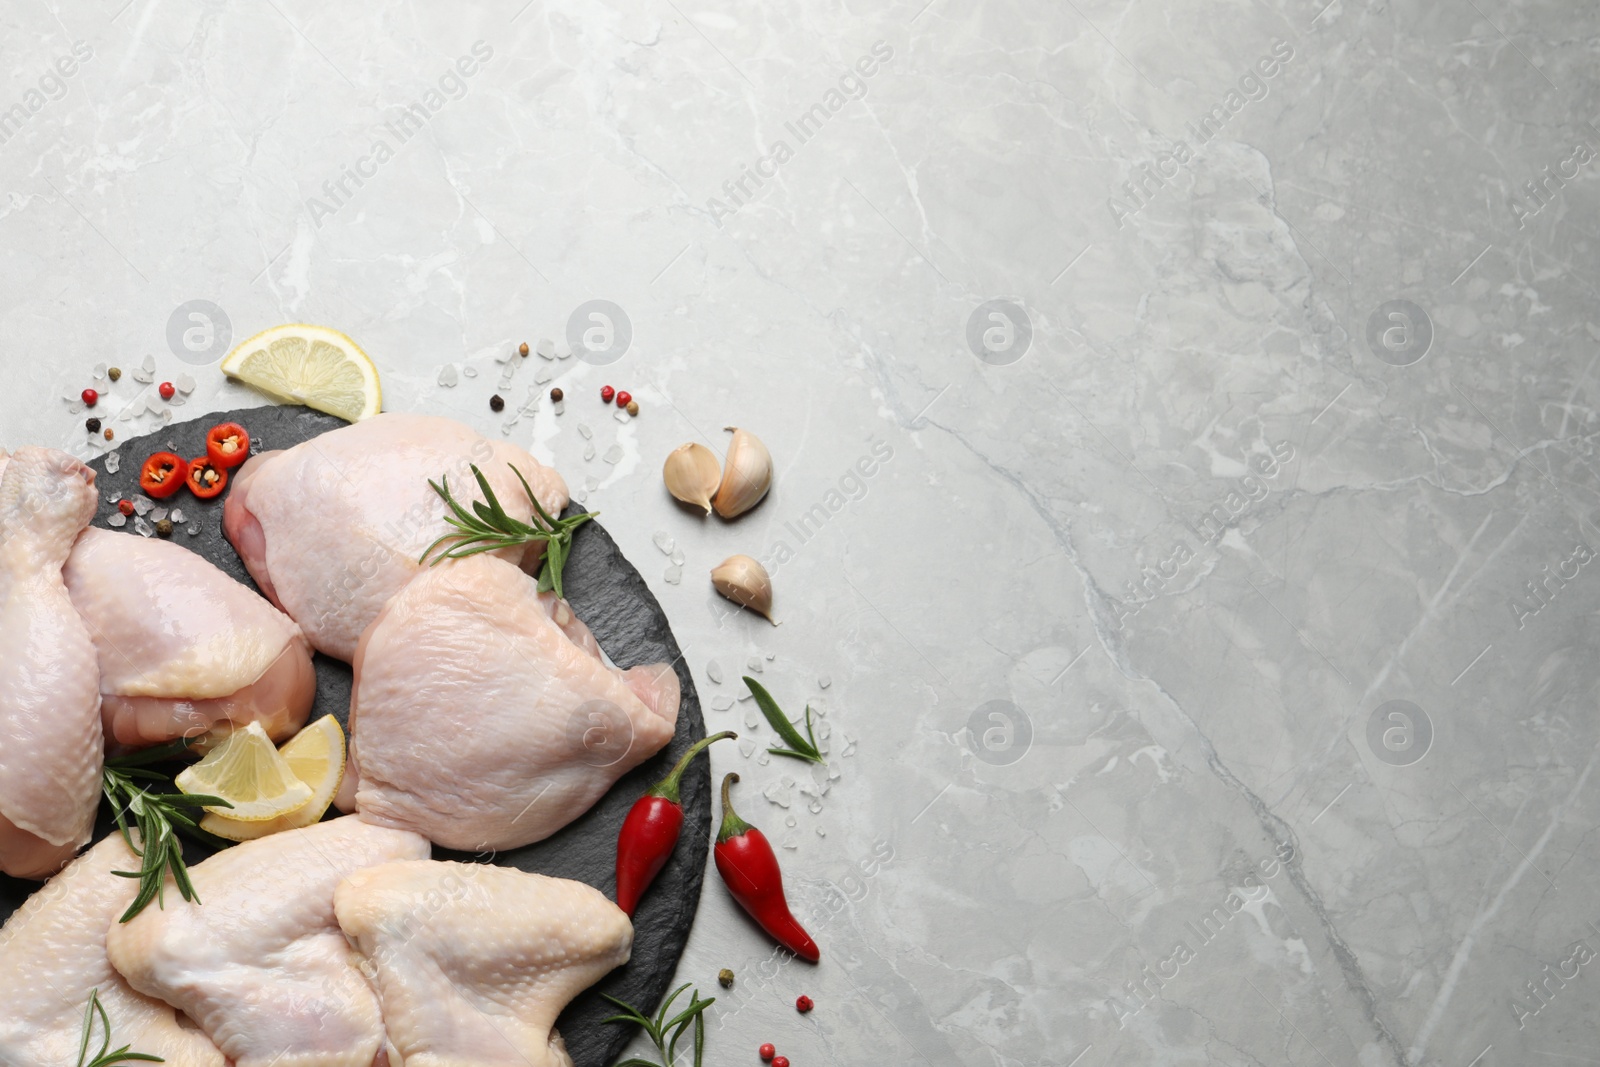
[{"x": 608, "y": 594}]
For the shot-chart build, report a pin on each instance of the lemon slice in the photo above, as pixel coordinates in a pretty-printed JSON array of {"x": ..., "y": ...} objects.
[
  {"x": 247, "y": 771},
  {"x": 316, "y": 757},
  {"x": 310, "y": 365}
]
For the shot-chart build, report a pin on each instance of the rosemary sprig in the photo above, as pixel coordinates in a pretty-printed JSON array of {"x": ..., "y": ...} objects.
[
  {"x": 104, "y": 1058},
  {"x": 799, "y": 747},
  {"x": 158, "y": 816},
  {"x": 488, "y": 527},
  {"x": 663, "y": 1032}
]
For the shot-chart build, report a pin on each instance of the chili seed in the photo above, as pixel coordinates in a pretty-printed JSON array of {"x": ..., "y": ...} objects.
[
  {"x": 633, "y": 407},
  {"x": 556, "y": 394},
  {"x": 606, "y": 393},
  {"x": 164, "y": 528},
  {"x": 93, "y": 425},
  {"x": 725, "y": 978},
  {"x": 522, "y": 349},
  {"x": 125, "y": 506},
  {"x": 114, "y": 373},
  {"x": 496, "y": 403},
  {"x": 109, "y": 434},
  {"x": 803, "y": 1004},
  {"x": 766, "y": 1052},
  {"x": 90, "y": 398}
]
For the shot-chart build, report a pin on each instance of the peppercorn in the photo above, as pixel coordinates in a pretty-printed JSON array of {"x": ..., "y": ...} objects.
[
  {"x": 114, "y": 373},
  {"x": 803, "y": 1004},
  {"x": 623, "y": 398},
  {"x": 93, "y": 425},
  {"x": 166, "y": 390},
  {"x": 125, "y": 506},
  {"x": 725, "y": 977},
  {"x": 556, "y": 394},
  {"x": 766, "y": 1052},
  {"x": 606, "y": 393},
  {"x": 164, "y": 528},
  {"x": 496, "y": 403},
  {"x": 633, "y": 407},
  {"x": 522, "y": 349},
  {"x": 90, "y": 398},
  {"x": 780, "y": 1061},
  {"x": 109, "y": 434}
]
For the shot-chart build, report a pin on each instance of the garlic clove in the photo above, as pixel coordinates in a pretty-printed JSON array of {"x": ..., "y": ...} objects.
[
  {"x": 692, "y": 474},
  {"x": 745, "y": 582},
  {"x": 746, "y": 476}
]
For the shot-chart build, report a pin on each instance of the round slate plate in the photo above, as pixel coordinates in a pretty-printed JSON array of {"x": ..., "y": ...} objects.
[{"x": 609, "y": 595}]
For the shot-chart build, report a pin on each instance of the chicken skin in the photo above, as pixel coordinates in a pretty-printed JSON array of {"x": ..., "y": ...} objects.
[
  {"x": 479, "y": 721},
  {"x": 260, "y": 963},
  {"x": 473, "y": 963},
  {"x": 183, "y": 647},
  {"x": 332, "y": 528},
  {"x": 51, "y": 745},
  {"x": 53, "y": 955}
]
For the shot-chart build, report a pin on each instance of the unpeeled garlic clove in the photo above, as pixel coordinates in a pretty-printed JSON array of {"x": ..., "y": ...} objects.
[
  {"x": 746, "y": 476},
  {"x": 692, "y": 474},
  {"x": 745, "y": 582}
]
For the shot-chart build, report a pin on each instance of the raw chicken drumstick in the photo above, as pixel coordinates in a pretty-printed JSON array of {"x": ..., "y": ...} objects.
[
  {"x": 473, "y": 963},
  {"x": 53, "y": 954},
  {"x": 332, "y": 528},
  {"x": 482, "y": 715},
  {"x": 182, "y": 646},
  {"x": 51, "y": 746}
]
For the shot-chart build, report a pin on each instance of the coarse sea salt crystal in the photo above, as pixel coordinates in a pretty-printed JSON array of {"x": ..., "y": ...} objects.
[
  {"x": 824, "y": 681},
  {"x": 614, "y": 454},
  {"x": 117, "y": 518},
  {"x": 588, "y": 453},
  {"x": 747, "y": 747},
  {"x": 751, "y": 719},
  {"x": 177, "y": 515},
  {"x": 721, "y": 702},
  {"x": 623, "y": 416},
  {"x": 663, "y": 541},
  {"x": 714, "y": 672},
  {"x": 99, "y": 371},
  {"x": 183, "y": 384},
  {"x": 673, "y": 575},
  {"x": 113, "y": 462},
  {"x": 546, "y": 347},
  {"x": 755, "y": 665},
  {"x": 142, "y": 528},
  {"x": 469, "y": 372},
  {"x": 448, "y": 376},
  {"x": 142, "y": 504},
  {"x": 678, "y": 556},
  {"x": 157, "y": 514},
  {"x": 584, "y": 431},
  {"x": 545, "y": 375},
  {"x": 194, "y": 528}
]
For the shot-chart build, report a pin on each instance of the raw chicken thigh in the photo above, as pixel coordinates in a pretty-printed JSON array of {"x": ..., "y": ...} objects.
[
  {"x": 51, "y": 746},
  {"x": 332, "y": 528},
  {"x": 261, "y": 965},
  {"x": 182, "y": 646},
  {"x": 53, "y": 954},
  {"x": 478, "y": 721},
  {"x": 480, "y": 982}
]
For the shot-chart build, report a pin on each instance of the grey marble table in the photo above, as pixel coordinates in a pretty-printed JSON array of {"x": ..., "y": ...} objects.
[{"x": 1185, "y": 423}]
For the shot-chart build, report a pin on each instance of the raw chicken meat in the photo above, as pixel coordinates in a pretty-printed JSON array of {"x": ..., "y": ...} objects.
[
  {"x": 53, "y": 954},
  {"x": 477, "y": 975},
  {"x": 477, "y": 720},
  {"x": 182, "y": 646},
  {"x": 51, "y": 746},
  {"x": 332, "y": 528},
  {"x": 261, "y": 965}
]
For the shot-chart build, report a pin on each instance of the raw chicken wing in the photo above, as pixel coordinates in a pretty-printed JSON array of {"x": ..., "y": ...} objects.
[
  {"x": 53, "y": 954},
  {"x": 473, "y": 963},
  {"x": 477, "y": 721},
  {"x": 51, "y": 746},
  {"x": 182, "y": 646},
  {"x": 332, "y": 528},
  {"x": 261, "y": 965}
]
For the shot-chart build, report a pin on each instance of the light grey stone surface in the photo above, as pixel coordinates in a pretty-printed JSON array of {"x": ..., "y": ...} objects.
[{"x": 1210, "y": 501}]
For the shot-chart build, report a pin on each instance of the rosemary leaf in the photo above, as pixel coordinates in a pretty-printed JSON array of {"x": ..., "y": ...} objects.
[{"x": 804, "y": 748}]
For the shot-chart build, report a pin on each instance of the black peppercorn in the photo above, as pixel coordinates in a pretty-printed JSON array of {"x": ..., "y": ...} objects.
[
  {"x": 93, "y": 425},
  {"x": 496, "y": 403}
]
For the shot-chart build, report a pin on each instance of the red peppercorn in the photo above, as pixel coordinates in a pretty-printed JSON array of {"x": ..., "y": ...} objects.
[
  {"x": 803, "y": 1004},
  {"x": 606, "y": 393},
  {"x": 780, "y": 1061},
  {"x": 767, "y": 1052},
  {"x": 125, "y": 506},
  {"x": 90, "y": 398},
  {"x": 166, "y": 390},
  {"x": 623, "y": 398}
]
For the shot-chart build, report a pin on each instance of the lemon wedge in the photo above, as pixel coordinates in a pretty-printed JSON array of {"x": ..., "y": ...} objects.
[
  {"x": 315, "y": 756},
  {"x": 247, "y": 771},
  {"x": 310, "y": 365}
]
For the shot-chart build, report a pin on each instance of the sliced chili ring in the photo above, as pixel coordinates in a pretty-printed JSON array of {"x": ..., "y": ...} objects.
[
  {"x": 227, "y": 445},
  {"x": 162, "y": 475},
  {"x": 206, "y": 479}
]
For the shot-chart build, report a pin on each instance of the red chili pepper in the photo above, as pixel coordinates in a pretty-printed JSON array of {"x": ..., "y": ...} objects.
[
  {"x": 650, "y": 832},
  {"x": 162, "y": 475},
  {"x": 750, "y": 870},
  {"x": 206, "y": 479},
  {"x": 227, "y": 445}
]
